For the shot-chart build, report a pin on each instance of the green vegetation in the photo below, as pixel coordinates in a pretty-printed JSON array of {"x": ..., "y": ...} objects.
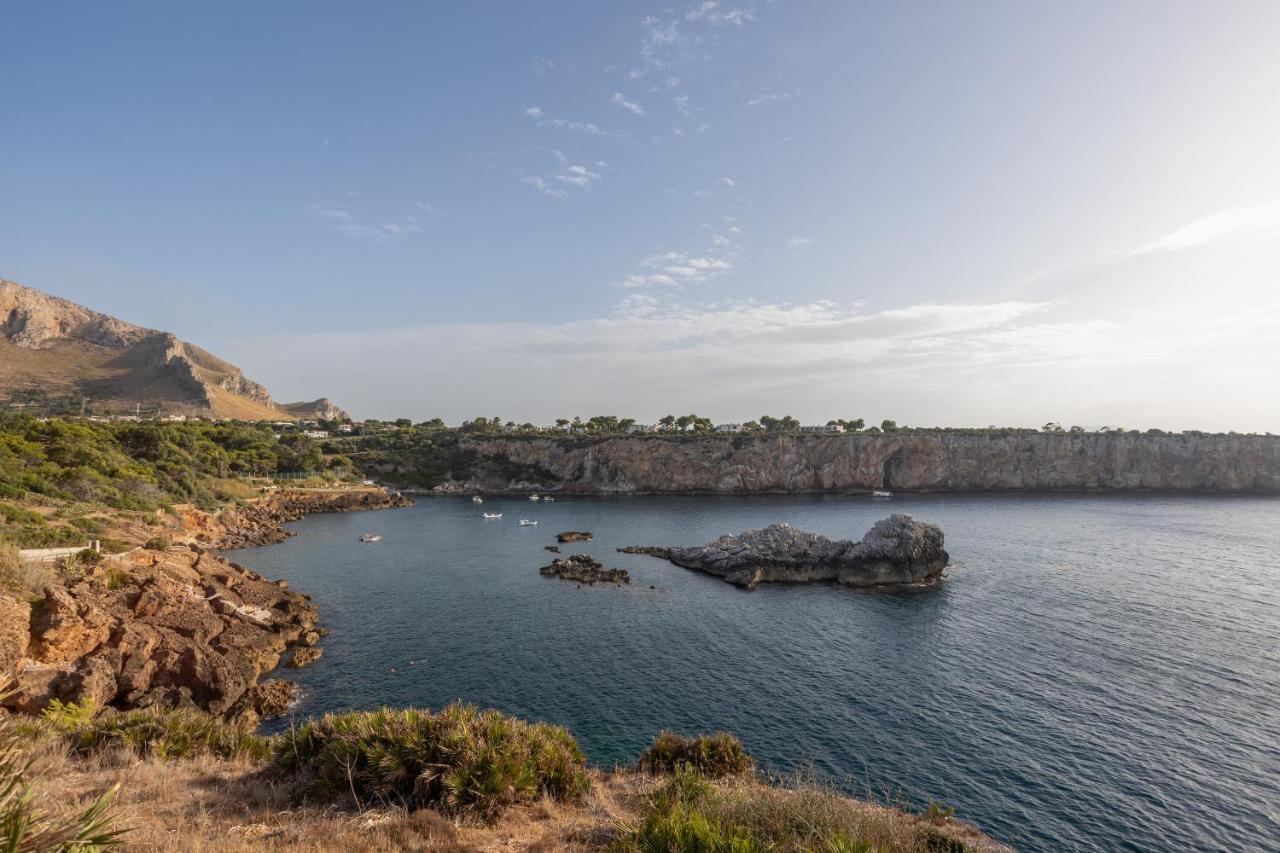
[
  {"x": 720, "y": 754},
  {"x": 689, "y": 813},
  {"x": 460, "y": 760},
  {"x": 85, "y": 466},
  {"x": 162, "y": 733},
  {"x": 24, "y": 829}
]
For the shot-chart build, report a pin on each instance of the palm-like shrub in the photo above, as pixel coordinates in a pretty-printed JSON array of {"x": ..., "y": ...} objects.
[
  {"x": 460, "y": 760},
  {"x": 154, "y": 732},
  {"x": 24, "y": 829},
  {"x": 720, "y": 754}
]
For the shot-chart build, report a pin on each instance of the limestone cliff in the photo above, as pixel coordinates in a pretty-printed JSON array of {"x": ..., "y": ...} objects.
[
  {"x": 943, "y": 461},
  {"x": 52, "y": 349}
]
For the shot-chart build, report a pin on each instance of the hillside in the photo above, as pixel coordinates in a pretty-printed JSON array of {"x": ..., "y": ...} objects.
[{"x": 54, "y": 354}]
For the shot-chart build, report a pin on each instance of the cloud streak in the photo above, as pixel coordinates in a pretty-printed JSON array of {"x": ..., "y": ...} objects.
[
  {"x": 1234, "y": 223},
  {"x": 630, "y": 106}
]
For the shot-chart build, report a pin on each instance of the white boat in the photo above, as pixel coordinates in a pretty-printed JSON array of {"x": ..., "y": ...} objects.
[
  {"x": 524, "y": 522},
  {"x": 534, "y": 498},
  {"x": 545, "y": 500},
  {"x": 492, "y": 514},
  {"x": 880, "y": 494},
  {"x": 476, "y": 499},
  {"x": 370, "y": 537}
]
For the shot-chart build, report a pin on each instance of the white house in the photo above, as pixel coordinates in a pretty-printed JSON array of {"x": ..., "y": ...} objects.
[
  {"x": 728, "y": 427},
  {"x": 635, "y": 428},
  {"x": 316, "y": 433},
  {"x": 824, "y": 428}
]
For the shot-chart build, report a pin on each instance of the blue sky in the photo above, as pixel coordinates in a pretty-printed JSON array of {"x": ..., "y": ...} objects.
[{"x": 940, "y": 213}]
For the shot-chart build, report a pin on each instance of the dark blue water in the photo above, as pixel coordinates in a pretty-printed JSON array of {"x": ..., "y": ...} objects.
[{"x": 1095, "y": 674}]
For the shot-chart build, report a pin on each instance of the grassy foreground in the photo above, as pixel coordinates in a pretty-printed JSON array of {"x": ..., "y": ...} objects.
[{"x": 407, "y": 779}]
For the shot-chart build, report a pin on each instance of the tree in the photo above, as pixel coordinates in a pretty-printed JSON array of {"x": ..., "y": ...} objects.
[
  {"x": 1076, "y": 429},
  {"x": 1052, "y": 427},
  {"x": 856, "y": 424},
  {"x": 888, "y": 425},
  {"x": 667, "y": 421},
  {"x": 562, "y": 422},
  {"x": 751, "y": 426}
]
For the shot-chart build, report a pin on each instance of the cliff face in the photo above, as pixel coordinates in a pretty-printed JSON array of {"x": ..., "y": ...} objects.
[
  {"x": 52, "y": 348},
  {"x": 839, "y": 463}
]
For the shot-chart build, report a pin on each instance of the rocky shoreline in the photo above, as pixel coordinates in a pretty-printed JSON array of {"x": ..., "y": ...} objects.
[
  {"x": 173, "y": 625},
  {"x": 584, "y": 569},
  {"x": 896, "y": 550}
]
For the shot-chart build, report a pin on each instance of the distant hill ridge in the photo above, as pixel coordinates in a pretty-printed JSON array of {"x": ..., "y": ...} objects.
[{"x": 54, "y": 352}]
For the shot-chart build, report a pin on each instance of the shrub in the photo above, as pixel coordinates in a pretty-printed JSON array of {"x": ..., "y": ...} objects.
[
  {"x": 162, "y": 733},
  {"x": 743, "y": 816},
  {"x": 460, "y": 760},
  {"x": 24, "y": 829},
  {"x": 157, "y": 543},
  {"x": 117, "y": 578},
  {"x": 720, "y": 754}
]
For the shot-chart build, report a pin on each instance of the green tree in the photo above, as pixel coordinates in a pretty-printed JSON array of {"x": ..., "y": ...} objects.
[{"x": 889, "y": 426}]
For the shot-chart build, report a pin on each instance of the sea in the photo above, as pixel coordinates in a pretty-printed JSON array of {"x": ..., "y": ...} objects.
[{"x": 1093, "y": 672}]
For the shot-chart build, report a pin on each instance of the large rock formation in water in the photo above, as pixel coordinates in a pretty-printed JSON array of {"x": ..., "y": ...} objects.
[
  {"x": 942, "y": 461},
  {"x": 897, "y": 550}
]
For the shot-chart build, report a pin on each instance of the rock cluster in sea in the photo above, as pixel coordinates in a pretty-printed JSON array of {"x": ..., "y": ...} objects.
[
  {"x": 584, "y": 569},
  {"x": 574, "y": 536},
  {"x": 897, "y": 550}
]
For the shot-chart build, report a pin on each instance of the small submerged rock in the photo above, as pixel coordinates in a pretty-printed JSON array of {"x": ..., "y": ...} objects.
[
  {"x": 574, "y": 536},
  {"x": 552, "y": 548},
  {"x": 897, "y": 550},
  {"x": 584, "y": 569}
]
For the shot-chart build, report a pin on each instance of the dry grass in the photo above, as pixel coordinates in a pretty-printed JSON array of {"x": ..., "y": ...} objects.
[
  {"x": 20, "y": 577},
  {"x": 211, "y": 804}
]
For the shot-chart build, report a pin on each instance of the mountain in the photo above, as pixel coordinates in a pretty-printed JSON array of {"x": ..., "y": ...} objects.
[{"x": 54, "y": 354}]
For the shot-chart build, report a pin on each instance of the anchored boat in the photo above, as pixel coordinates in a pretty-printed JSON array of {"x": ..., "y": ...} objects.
[
  {"x": 370, "y": 537},
  {"x": 476, "y": 499},
  {"x": 879, "y": 494},
  {"x": 492, "y": 514},
  {"x": 524, "y": 522}
]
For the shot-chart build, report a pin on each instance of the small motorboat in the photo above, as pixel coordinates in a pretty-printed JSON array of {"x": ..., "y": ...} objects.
[
  {"x": 879, "y": 494},
  {"x": 492, "y": 514},
  {"x": 370, "y": 537},
  {"x": 476, "y": 499},
  {"x": 534, "y": 498},
  {"x": 524, "y": 522},
  {"x": 547, "y": 500}
]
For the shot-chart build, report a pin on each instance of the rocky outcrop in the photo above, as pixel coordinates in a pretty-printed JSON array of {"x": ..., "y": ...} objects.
[
  {"x": 584, "y": 569},
  {"x": 322, "y": 409},
  {"x": 58, "y": 349},
  {"x": 304, "y": 656},
  {"x": 939, "y": 461},
  {"x": 262, "y": 522},
  {"x": 574, "y": 536},
  {"x": 173, "y": 628},
  {"x": 897, "y": 550}
]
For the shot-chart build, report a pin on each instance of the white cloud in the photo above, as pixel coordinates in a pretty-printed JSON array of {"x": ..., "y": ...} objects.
[
  {"x": 767, "y": 96},
  {"x": 714, "y": 13},
  {"x": 1238, "y": 222},
  {"x": 573, "y": 174},
  {"x": 799, "y": 242},
  {"x": 728, "y": 182},
  {"x": 429, "y": 208},
  {"x": 540, "y": 116},
  {"x": 631, "y": 106},
  {"x": 341, "y": 220}
]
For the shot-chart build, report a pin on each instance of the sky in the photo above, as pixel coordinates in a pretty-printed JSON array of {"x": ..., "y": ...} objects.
[{"x": 947, "y": 214}]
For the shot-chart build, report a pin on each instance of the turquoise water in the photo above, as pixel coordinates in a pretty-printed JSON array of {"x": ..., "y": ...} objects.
[{"x": 1096, "y": 673}]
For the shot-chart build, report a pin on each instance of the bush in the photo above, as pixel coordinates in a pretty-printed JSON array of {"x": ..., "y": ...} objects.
[
  {"x": 720, "y": 754},
  {"x": 162, "y": 733},
  {"x": 460, "y": 760},
  {"x": 743, "y": 816},
  {"x": 157, "y": 543},
  {"x": 24, "y": 829}
]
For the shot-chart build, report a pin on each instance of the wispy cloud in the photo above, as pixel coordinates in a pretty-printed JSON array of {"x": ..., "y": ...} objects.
[
  {"x": 768, "y": 96},
  {"x": 340, "y": 219},
  {"x": 630, "y": 106},
  {"x": 1237, "y": 222},
  {"x": 567, "y": 173},
  {"x": 540, "y": 116},
  {"x": 799, "y": 242}
]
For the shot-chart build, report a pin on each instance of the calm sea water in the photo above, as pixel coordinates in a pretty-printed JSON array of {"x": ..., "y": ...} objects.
[{"x": 1096, "y": 673}]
